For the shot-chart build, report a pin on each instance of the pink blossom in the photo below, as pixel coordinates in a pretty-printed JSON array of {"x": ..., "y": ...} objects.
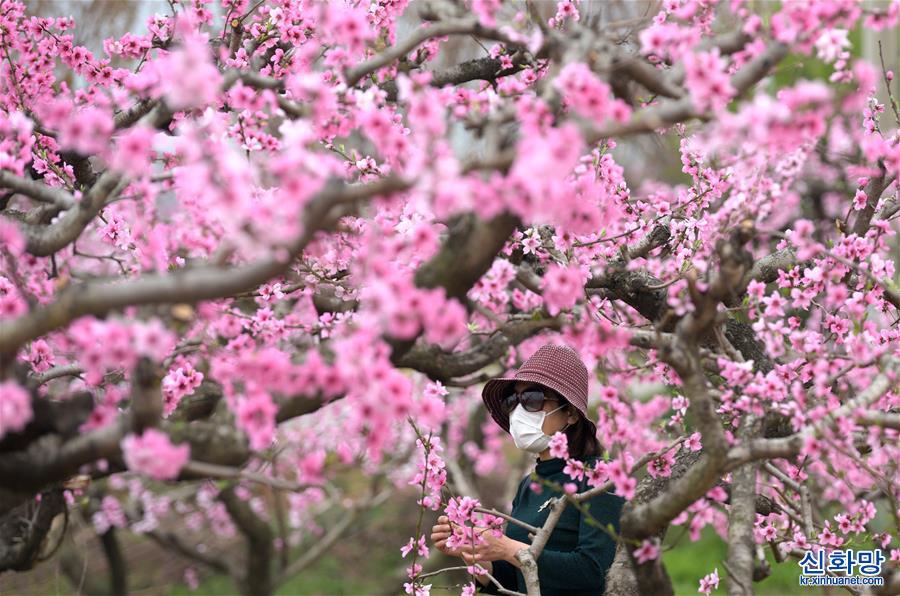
[
  {"x": 311, "y": 466},
  {"x": 177, "y": 384},
  {"x": 431, "y": 469},
  {"x": 559, "y": 445},
  {"x": 565, "y": 9},
  {"x": 693, "y": 442},
  {"x": 574, "y": 469},
  {"x": 154, "y": 455},
  {"x": 191, "y": 578},
  {"x": 86, "y": 131},
  {"x": 647, "y": 551},
  {"x": 133, "y": 151},
  {"x": 11, "y": 237},
  {"x": 116, "y": 232},
  {"x": 597, "y": 475},
  {"x": 661, "y": 466},
  {"x": 347, "y": 26},
  {"x": 102, "y": 415},
  {"x": 188, "y": 78},
  {"x": 709, "y": 582},
  {"x": 707, "y": 80},
  {"x": 828, "y": 537},
  {"x": 420, "y": 546},
  {"x": 668, "y": 40},
  {"x": 40, "y": 356},
  {"x": 152, "y": 339},
  {"x": 15, "y": 408},
  {"x": 588, "y": 95},
  {"x": 110, "y": 515},
  {"x": 832, "y": 44},
  {"x": 256, "y": 417},
  {"x": 562, "y": 287},
  {"x": 444, "y": 319},
  {"x": 417, "y": 589},
  {"x": 625, "y": 484}
]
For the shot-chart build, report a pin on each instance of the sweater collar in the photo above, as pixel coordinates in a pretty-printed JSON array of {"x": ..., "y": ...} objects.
[{"x": 549, "y": 467}]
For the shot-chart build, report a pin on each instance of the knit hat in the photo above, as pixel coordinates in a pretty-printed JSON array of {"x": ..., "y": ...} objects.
[{"x": 557, "y": 367}]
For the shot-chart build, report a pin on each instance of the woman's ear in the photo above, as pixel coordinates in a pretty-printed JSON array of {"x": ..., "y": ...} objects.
[{"x": 573, "y": 415}]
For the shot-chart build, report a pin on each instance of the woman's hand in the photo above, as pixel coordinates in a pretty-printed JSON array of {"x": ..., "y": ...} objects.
[
  {"x": 502, "y": 548},
  {"x": 440, "y": 532}
]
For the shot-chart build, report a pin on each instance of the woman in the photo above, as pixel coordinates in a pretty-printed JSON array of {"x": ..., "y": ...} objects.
[{"x": 546, "y": 395}]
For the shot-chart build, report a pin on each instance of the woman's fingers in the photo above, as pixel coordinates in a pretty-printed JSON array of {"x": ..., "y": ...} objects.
[
  {"x": 439, "y": 531},
  {"x": 469, "y": 558}
]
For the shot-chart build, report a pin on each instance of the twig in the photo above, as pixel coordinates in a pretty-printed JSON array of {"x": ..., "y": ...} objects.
[
  {"x": 228, "y": 473},
  {"x": 508, "y": 518},
  {"x": 887, "y": 84}
]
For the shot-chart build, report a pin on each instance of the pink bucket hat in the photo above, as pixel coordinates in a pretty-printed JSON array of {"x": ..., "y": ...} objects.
[{"x": 555, "y": 366}]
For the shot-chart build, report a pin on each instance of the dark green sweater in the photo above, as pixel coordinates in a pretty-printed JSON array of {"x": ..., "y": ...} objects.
[{"x": 577, "y": 556}]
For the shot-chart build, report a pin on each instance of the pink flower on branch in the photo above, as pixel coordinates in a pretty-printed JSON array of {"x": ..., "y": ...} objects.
[
  {"x": 647, "y": 551},
  {"x": 562, "y": 287},
  {"x": 256, "y": 417},
  {"x": 709, "y": 582},
  {"x": 154, "y": 455},
  {"x": 707, "y": 80},
  {"x": 15, "y": 408},
  {"x": 559, "y": 445}
]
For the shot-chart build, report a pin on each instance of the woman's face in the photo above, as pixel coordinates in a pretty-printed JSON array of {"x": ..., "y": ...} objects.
[{"x": 552, "y": 422}]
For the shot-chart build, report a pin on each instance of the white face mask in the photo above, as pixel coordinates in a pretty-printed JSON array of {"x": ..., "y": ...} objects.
[{"x": 527, "y": 430}]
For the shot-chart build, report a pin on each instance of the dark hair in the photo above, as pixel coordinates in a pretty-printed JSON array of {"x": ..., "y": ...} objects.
[{"x": 582, "y": 440}]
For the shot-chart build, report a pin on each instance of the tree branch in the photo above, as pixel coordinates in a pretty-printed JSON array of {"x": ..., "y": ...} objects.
[
  {"x": 118, "y": 570},
  {"x": 741, "y": 517},
  {"x": 44, "y": 241},
  {"x": 320, "y": 547},
  {"x": 670, "y": 112},
  {"x": 168, "y": 539},
  {"x": 790, "y": 446},
  {"x": 36, "y": 190},
  {"x": 188, "y": 285},
  {"x": 257, "y": 578},
  {"x": 421, "y": 35}
]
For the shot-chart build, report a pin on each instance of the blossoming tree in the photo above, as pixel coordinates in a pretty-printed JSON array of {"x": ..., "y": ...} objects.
[{"x": 246, "y": 248}]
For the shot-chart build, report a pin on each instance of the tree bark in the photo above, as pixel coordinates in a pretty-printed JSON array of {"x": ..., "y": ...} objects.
[
  {"x": 257, "y": 578},
  {"x": 741, "y": 518},
  {"x": 118, "y": 570}
]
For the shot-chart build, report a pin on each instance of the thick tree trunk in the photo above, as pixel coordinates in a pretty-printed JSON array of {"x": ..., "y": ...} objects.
[
  {"x": 740, "y": 521},
  {"x": 118, "y": 570}
]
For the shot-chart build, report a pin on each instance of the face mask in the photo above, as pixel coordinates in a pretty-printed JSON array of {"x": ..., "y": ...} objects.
[{"x": 526, "y": 429}]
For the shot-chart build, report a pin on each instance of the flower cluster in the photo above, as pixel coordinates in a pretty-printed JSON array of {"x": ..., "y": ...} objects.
[
  {"x": 153, "y": 454},
  {"x": 708, "y": 80},
  {"x": 431, "y": 471},
  {"x": 15, "y": 408},
  {"x": 588, "y": 95},
  {"x": 178, "y": 383}
]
